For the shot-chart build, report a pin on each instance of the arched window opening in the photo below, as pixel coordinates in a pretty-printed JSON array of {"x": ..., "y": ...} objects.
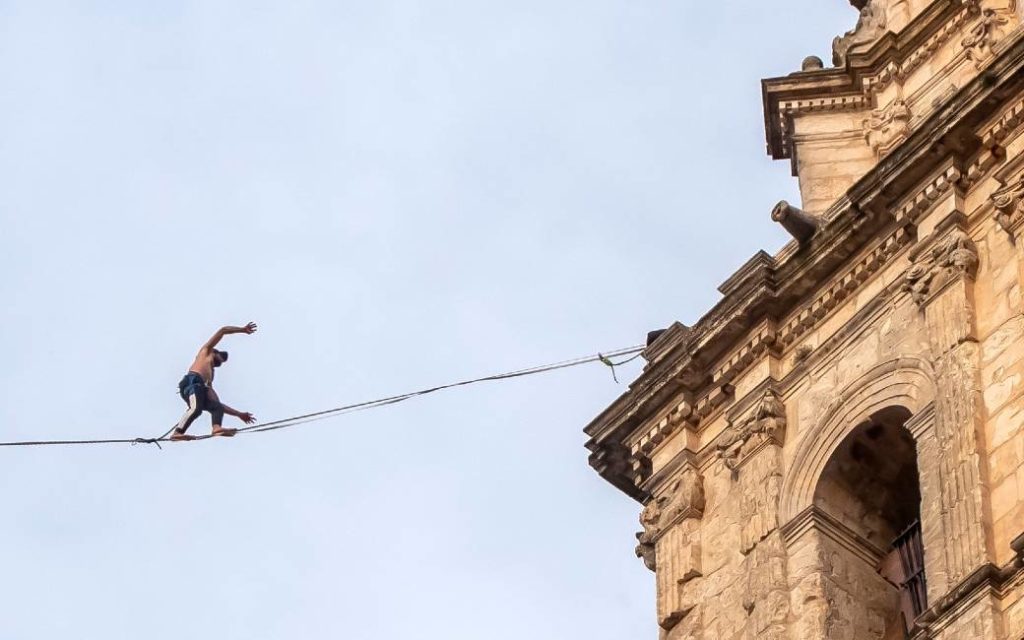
[{"x": 870, "y": 485}]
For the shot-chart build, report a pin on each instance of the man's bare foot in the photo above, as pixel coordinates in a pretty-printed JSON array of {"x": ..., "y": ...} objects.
[
  {"x": 178, "y": 436},
  {"x": 223, "y": 431}
]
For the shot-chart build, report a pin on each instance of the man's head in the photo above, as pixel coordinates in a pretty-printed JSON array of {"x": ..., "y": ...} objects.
[{"x": 219, "y": 357}]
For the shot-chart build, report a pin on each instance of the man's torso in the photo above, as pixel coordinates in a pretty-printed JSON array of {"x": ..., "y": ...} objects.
[{"x": 203, "y": 365}]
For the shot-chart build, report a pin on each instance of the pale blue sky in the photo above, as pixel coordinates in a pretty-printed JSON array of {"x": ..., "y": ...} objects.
[{"x": 401, "y": 194}]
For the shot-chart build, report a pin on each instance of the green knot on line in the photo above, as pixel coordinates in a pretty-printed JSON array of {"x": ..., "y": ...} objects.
[
  {"x": 605, "y": 360},
  {"x": 611, "y": 365}
]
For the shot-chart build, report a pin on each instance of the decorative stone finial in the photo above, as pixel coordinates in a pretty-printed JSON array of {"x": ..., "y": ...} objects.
[
  {"x": 870, "y": 27},
  {"x": 800, "y": 224},
  {"x": 812, "y": 63}
]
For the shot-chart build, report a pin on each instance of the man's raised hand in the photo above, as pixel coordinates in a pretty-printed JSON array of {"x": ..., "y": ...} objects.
[{"x": 249, "y": 328}]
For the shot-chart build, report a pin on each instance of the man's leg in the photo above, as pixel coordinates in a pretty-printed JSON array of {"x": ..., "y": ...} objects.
[
  {"x": 195, "y": 409},
  {"x": 217, "y": 416}
]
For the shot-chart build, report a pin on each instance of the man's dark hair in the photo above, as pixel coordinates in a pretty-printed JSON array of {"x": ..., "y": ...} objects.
[{"x": 223, "y": 355}]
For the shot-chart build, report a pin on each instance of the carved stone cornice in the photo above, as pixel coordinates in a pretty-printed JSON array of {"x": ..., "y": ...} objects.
[
  {"x": 630, "y": 463},
  {"x": 672, "y": 337},
  {"x": 763, "y": 338},
  {"x": 843, "y": 286},
  {"x": 828, "y": 103},
  {"x": 984, "y": 161},
  {"x": 946, "y": 256},
  {"x": 1008, "y": 122},
  {"x": 924, "y": 198},
  {"x": 924, "y": 51},
  {"x": 818, "y": 520},
  {"x": 687, "y": 414},
  {"x": 789, "y": 286}
]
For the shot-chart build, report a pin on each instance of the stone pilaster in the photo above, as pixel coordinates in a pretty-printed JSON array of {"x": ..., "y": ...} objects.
[
  {"x": 1008, "y": 203},
  {"x": 670, "y": 544},
  {"x": 933, "y": 516},
  {"x": 941, "y": 283},
  {"x": 751, "y": 450}
]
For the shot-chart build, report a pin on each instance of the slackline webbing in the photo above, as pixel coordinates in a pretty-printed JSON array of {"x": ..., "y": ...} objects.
[{"x": 294, "y": 421}]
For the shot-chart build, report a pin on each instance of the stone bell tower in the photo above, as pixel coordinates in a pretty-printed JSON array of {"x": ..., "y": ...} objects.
[{"x": 836, "y": 449}]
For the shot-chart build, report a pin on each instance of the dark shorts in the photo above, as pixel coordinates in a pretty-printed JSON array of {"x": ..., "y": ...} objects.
[
  {"x": 196, "y": 394},
  {"x": 193, "y": 383}
]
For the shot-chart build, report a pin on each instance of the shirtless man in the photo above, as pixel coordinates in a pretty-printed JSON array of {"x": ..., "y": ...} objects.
[{"x": 196, "y": 388}]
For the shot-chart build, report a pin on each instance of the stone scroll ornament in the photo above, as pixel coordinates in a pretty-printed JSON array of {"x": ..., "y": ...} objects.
[
  {"x": 767, "y": 421},
  {"x": 1009, "y": 204},
  {"x": 986, "y": 32},
  {"x": 888, "y": 126},
  {"x": 684, "y": 499},
  {"x": 952, "y": 257}
]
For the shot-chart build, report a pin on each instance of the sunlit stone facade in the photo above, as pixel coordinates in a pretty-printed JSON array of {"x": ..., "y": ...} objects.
[{"x": 836, "y": 449}]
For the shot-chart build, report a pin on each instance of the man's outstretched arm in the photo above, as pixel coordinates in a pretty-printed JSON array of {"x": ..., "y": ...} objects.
[
  {"x": 244, "y": 416},
  {"x": 248, "y": 329}
]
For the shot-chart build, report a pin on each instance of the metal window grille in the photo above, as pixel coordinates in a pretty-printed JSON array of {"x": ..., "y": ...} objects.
[{"x": 913, "y": 590}]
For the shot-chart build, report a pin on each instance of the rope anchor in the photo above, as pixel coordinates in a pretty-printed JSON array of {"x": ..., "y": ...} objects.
[{"x": 611, "y": 365}]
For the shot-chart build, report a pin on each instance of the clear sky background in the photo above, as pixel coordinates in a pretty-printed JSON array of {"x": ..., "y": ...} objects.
[{"x": 401, "y": 194}]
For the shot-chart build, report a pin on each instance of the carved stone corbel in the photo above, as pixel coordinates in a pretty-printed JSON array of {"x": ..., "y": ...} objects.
[
  {"x": 645, "y": 548},
  {"x": 1008, "y": 200},
  {"x": 766, "y": 421},
  {"x": 950, "y": 257},
  {"x": 683, "y": 499},
  {"x": 1009, "y": 205}
]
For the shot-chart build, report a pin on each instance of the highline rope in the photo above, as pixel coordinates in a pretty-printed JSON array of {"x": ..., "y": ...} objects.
[{"x": 294, "y": 421}]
